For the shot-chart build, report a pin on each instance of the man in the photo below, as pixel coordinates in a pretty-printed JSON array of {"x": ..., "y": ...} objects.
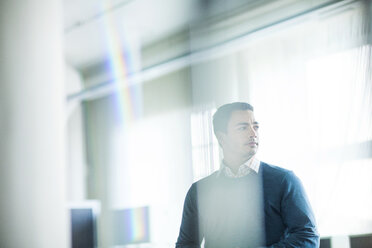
[{"x": 247, "y": 203}]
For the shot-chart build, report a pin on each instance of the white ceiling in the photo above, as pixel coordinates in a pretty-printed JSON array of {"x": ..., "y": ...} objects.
[{"x": 90, "y": 25}]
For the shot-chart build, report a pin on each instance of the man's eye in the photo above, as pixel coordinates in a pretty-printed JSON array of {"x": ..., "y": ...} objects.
[
  {"x": 242, "y": 128},
  {"x": 256, "y": 127}
]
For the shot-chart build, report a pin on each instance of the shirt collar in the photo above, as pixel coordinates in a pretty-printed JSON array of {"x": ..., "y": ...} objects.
[{"x": 253, "y": 164}]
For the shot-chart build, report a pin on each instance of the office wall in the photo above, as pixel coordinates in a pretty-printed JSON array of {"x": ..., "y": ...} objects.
[{"x": 215, "y": 82}]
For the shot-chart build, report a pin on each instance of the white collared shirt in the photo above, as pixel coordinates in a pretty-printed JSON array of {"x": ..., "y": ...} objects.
[{"x": 253, "y": 164}]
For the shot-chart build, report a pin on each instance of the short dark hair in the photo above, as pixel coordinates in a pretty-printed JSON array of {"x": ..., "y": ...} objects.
[{"x": 223, "y": 114}]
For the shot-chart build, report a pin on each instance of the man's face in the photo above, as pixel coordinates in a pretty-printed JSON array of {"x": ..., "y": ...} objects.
[{"x": 241, "y": 137}]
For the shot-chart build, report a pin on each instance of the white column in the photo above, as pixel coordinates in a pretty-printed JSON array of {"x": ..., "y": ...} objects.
[
  {"x": 32, "y": 157},
  {"x": 76, "y": 163}
]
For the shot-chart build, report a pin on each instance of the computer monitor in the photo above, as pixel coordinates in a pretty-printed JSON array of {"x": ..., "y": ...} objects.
[
  {"x": 83, "y": 224},
  {"x": 325, "y": 242},
  {"x": 361, "y": 241}
]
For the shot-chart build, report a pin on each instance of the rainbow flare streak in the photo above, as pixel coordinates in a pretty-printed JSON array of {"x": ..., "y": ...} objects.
[
  {"x": 138, "y": 221},
  {"x": 131, "y": 226},
  {"x": 120, "y": 65}
]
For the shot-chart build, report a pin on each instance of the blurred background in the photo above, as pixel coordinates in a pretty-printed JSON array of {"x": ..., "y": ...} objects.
[{"x": 106, "y": 112}]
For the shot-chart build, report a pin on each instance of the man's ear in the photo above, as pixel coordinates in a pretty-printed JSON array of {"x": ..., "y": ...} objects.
[{"x": 221, "y": 137}]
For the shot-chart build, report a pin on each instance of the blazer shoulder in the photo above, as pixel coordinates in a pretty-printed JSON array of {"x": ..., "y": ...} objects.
[{"x": 275, "y": 172}]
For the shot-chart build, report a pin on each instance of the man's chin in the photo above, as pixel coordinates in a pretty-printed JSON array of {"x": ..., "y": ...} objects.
[
  {"x": 250, "y": 153},
  {"x": 254, "y": 150}
]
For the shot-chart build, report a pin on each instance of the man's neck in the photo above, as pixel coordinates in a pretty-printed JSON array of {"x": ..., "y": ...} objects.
[{"x": 235, "y": 162}]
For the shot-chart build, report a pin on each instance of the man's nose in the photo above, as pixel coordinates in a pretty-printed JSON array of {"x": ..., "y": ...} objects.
[{"x": 252, "y": 132}]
